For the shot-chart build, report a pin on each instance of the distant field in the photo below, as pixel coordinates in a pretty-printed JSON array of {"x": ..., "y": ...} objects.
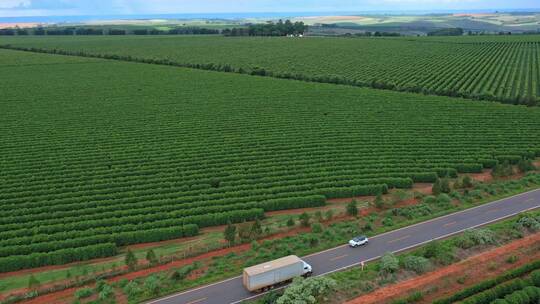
[
  {"x": 490, "y": 68},
  {"x": 98, "y": 154}
]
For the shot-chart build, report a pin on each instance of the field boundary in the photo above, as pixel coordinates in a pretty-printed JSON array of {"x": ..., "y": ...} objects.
[{"x": 328, "y": 79}]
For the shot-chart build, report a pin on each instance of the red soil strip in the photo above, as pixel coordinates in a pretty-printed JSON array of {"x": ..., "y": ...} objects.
[
  {"x": 482, "y": 177},
  {"x": 475, "y": 268},
  {"x": 424, "y": 188}
]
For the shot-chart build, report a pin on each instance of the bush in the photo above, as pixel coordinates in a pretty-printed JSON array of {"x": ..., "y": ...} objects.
[
  {"x": 417, "y": 264},
  {"x": 152, "y": 285},
  {"x": 429, "y": 200},
  {"x": 528, "y": 222},
  {"x": 304, "y": 219},
  {"x": 439, "y": 252},
  {"x": 389, "y": 264},
  {"x": 443, "y": 199},
  {"x": 83, "y": 293},
  {"x": 131, "y": 260},
  {"x": 525, "y": 165},
  {"x": 290, "y": 222},
  {"x": 352, "y": 209},
  {"x": 307, "y": 291},
  {"x": 132, "y": 289},
  {"x": 316, "y": 228},
  {"x": 151, "y": 257},
  {"x": 475, "y": 237}
]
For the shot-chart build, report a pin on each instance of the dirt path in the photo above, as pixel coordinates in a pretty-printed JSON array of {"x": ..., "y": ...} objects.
[{"x": 473, "y": 270}]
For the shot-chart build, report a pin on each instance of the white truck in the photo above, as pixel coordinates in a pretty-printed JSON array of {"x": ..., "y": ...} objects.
[{"x": 268, "y": 275}]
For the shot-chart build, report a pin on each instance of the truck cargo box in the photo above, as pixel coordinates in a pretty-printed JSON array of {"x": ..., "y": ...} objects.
[{"x": 274, "y": 272}]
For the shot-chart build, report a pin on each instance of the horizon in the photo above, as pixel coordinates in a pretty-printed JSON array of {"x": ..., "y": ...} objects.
[
  {"x": 248, "y": 15},
  {"x": 127, "y": 8}
]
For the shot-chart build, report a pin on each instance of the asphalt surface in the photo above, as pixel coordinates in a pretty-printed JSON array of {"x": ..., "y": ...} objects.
[{"x": 335, "y": 259}]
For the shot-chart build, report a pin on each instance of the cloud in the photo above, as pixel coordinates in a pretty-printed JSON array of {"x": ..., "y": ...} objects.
[
  {"x": 117, "y": 7},
  {"x": 12, "y": 4}
]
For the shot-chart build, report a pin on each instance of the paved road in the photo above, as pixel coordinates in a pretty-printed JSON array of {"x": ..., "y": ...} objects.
[{"x": 232, "y": 290}]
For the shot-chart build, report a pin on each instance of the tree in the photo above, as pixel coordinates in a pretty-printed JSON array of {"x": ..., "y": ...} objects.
[
  {"x": 151, "y": 284},
  {"x": 379, "y": 201},
  {"x": 230, "y": 233},
  {"x": 329, "y": 214},
  {"x": 445, "y": 185},
  {"x": 33, "y": 283},
  {"x": 389, "y": 264},
  {"x": 525, "y": 165},
  {"x": 151, "y": 257},
  {"x": 352, "y": 209},
  {"x": 131, "y": 260},
  {"x": 304, "y": 219},
  {"x": 467, "y": 182},
  {"x": 307, "y": 291},
  {"x": 256, "y": 229},
  {"x": 290, "y": 222}
]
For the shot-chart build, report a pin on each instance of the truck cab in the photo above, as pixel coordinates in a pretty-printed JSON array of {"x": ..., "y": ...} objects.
[{"x": 308, "y": 271}]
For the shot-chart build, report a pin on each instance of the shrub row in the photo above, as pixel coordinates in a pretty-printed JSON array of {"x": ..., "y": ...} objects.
[
  {"x": 59, "y": 257},
  {"x": 485, "y": 285}
]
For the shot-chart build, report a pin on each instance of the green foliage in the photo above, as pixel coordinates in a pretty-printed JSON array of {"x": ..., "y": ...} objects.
[
  {"x": 525, "y": 165},
  {"x": 475, "y": 237},
  {"x": 528, "y": 222},
  {"x": 151, "y": 257},
  {"x": 83, "y": 293},
  {"x": 152, "y": 285},
  {"x": 441, "y": 185},
  {"x": 228, "y": 55},
  {"x": 230, "y": 233},
  {"x": 81, "y": 193},
  {"x": 417, "y": 264},
  {"x": 106, "y": 293},
  {"x": 352, "y": 208},
  {"x": 304, "y": 219},
  {"x": 439, "y": 252},
  {"x": 132, "y": 289},
  {"x": 329, "y": 214},
  {"x": 389, "y": 264},
  {"x": 33, "y": 282},
  {"x": 290, "y": 222},
  {"x": 490, "y": 290},
  {"x": 316, "y": 228},
  {"x": 502, "y": 170},
  {"x": 307, "y": 290},
  {"x": 131, "y": 260}
]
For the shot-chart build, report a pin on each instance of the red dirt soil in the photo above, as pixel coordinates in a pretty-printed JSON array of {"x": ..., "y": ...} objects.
[
  {"x": 482, "y": 177},
  {"x": 475, "y": 269}
]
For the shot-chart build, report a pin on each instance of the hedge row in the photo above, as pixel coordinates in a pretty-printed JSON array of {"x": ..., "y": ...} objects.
[
  {"x": 528, "y": 295},
  {"x": 485, "y": 285},
  {"x": 355, "y": 191},
  {"x": 59, "y": 257},
  {"x": 383, "y": 84}
]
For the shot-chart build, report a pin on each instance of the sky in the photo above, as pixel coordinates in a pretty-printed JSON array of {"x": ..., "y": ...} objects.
[{"x": 18, "y": 8}]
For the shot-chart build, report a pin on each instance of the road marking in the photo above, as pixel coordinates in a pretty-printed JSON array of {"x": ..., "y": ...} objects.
[
  {"x": 197, "y": 301},
  {"x": 338, "y": 257},
  {"x": 377, "y": 237},
  {"x": 493, "y": 210},
  {"x": 400, "y": 239},
  {"x": 529, "y": 200},
  {"x": 406, "y": 248},
  {"x": 449, "y": 224}
]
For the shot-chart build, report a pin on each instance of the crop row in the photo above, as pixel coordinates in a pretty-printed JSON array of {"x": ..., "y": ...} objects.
[
  {"x": 134, "y": 152},
  {"x": 506, "y": 71}
]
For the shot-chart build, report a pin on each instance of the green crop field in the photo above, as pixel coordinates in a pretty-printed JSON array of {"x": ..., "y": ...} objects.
[
  {"x": 98, "y": 154},
  {"x": 490, "y": 68}
]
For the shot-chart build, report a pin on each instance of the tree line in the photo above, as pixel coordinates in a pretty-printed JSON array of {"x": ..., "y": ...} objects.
[
  {"x": 84, "y": 31},
  {"x": 280, "y": 28}
]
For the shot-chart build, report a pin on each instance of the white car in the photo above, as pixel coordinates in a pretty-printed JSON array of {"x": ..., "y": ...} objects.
[{"x": 358, "y": 241}]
